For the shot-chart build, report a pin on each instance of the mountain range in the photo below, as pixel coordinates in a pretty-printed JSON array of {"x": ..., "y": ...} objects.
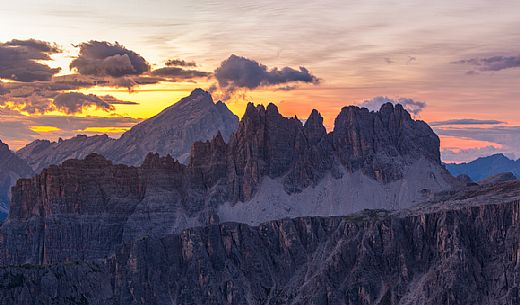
[
  {"x": 275, "y": 212},
  {"x": 485, "y": 167},
  {"x": 173, "y": 131}
]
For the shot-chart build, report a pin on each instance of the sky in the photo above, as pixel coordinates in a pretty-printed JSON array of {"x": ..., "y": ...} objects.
[{"x": 89, "y": 67}]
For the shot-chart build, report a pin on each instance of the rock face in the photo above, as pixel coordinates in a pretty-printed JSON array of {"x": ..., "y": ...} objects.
[
  {"x": 460, "y": 251},
  {"x": 485, "y": 167},
  {"x": 173, "y": 131},
  {"x": 12, "y": 168}
]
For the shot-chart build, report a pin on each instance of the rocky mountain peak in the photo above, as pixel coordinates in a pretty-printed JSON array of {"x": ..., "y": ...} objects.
[
  {"x": 314, "y": 129},
  {"x": 156, "y": 161},
  {"x": 3, "y": 147},
  {"x": 197, "y": 98},
  {"x": 382, "y": 141}
]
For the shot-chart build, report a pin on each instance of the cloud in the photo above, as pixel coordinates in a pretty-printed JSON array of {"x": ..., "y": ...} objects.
[
  {"x": 494, "y": 63},
  {"x": 239, "y": 72},
  {"x": 412, "y": 106},
  {"x": 114, "y": 101},
  {"x": 75, "y": 102},
  {"x": 17, "y": 129},
  {"x": 180, "y": 63},
  {"x": 506, "y": 137},
  {"x": 466, "y": 122},
  {"x": 43, "y": 101},
  {"x": 411, "y": 59},
  {"x": 20, "y": 60},
  {"x": 101, "y": 58},
  {"x": 176, "y": 73}
]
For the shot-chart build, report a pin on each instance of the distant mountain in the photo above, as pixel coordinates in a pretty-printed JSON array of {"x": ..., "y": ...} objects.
[
  {"x": 42, "y": 153},
  {"x": 11, "y": 169},
  {"x": 173, "y": 131},
  {"x": 485, "y": 167}
]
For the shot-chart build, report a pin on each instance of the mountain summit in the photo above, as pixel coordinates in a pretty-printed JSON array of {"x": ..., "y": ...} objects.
[{"x": 173, "y": 131}]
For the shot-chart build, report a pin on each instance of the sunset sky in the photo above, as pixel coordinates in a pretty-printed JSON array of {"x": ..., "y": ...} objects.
[{"x": 87, "y": 67}]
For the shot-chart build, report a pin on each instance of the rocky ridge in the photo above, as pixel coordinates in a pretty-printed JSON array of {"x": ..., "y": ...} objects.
[{"x": 273, "y": 167}]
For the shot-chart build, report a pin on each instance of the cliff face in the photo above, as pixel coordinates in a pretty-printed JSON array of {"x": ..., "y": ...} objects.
[
  {"x": 74, "y": 211},
  {"x": 463, "y": 251}
]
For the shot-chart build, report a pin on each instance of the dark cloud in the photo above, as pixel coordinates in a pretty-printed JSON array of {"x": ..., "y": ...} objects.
[
  {"x": 411, "y": 105},
  {"x": 176, "y": 73},
  {"x": 466, "y": 122},
  {"x": 33, "y": 44},
  {"x": 411, "y": 59},
  {"x": 101, "y": 58},
  {"x": 494, "y": 63},
  {"x": 19, "y": 60},
  {"x": 32, "y": 103},
  {"x": 131, "y": 81},
  {"x": 239, "y": 72},
  {"x": 41, "y": 102},
  {"x": 75, "y": 102},
  {"x": 114, "y": 101},
  {"x": 180, "y": 63}
]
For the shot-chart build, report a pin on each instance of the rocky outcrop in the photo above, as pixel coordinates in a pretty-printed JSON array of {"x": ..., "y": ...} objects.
[
  {"x": 173, "y": 131},
  {"x": 12, "y": 168},
  {"x": 460, "y": 251},
  {"x": 382, "y": 143}
]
